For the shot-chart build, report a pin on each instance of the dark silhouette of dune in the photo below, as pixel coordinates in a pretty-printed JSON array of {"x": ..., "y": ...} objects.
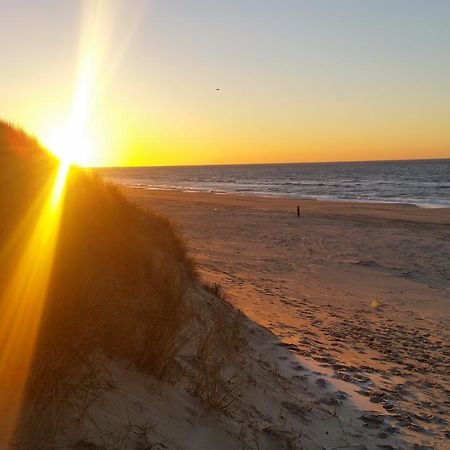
[{"x": 119, "y": 276}]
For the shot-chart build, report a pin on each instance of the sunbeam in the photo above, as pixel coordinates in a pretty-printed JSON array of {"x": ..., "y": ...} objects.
[
  {"x": 73, "y": 140},
  {"x": 23, "y": 298},
  {"x": 22, "y": 304}
]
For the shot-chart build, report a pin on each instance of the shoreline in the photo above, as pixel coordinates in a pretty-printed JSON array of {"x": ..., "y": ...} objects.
[
  {"x": 394, "y": 211},
  {"x": 410, "y": 202},
  {"x": 325, "y": 198}
]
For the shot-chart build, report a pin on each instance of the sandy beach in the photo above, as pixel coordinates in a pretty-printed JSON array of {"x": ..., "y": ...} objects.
[{"x": 359, "y": 293}]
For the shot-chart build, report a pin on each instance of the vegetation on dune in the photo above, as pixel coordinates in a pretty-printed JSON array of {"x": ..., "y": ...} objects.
[
  {"x": 25, "y": 168},
  {"x": 112, "y": 253},
  {"x": 118, "y": 288}
]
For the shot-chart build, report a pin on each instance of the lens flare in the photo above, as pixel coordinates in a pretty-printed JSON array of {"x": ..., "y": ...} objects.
[
  {"x": 23, "y": 298},
  {"x": 22, "y": 303},
  {"x": 73, "y": 141}
]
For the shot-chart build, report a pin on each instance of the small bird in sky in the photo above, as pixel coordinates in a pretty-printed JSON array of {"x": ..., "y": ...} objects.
[{"x": 217, "y": 89}]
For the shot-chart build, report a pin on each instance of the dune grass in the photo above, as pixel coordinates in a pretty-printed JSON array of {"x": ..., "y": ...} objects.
[
  {"x": 121, "y": 289},
  {"x": 119, "y": 279}
]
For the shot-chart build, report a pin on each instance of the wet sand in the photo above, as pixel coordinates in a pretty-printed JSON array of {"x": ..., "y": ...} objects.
[{"x": 359, "y": 292}]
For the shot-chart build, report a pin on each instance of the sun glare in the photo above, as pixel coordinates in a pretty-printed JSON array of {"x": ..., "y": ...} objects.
[
  {"x": 71, "y": 142},
  {"x": 22, "y": 302},
  {"x": 69, "y": 145}
]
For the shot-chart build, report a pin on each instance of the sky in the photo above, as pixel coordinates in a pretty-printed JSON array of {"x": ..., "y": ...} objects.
[{"x": 299, "y": 81}]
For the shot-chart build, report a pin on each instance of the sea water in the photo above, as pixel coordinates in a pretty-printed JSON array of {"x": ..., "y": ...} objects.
[{"x": 423, "y": 183}]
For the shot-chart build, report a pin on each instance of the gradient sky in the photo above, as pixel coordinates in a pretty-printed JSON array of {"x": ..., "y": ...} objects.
[{"x": 299, "y": 80}]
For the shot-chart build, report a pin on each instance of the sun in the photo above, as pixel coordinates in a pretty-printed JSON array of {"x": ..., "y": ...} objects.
[{"x": 70, "y": 144}]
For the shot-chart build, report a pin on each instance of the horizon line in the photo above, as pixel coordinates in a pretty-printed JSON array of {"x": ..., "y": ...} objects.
[{"x": 271, "y": 163}]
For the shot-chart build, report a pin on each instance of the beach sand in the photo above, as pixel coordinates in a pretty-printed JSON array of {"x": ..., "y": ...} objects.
[{"x": 358, "y": 293}]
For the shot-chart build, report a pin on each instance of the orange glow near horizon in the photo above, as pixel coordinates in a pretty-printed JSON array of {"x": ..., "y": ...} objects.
[
  {"x": 300, "y": 83},
  {"x": 23, "y": 300}
]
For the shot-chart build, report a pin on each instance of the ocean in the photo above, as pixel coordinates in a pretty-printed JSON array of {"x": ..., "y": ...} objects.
[{"x": 424, "y": 183}]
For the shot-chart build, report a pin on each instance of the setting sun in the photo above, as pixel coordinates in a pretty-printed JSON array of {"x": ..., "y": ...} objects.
[{"x": 70, "y": 145}]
